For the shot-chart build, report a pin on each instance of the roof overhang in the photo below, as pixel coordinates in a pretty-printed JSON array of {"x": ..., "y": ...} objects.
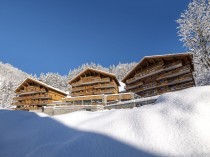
[
  {"x": 96, "y": 71},
  {"x": 154, "y": 56},
  {"x": 41, "y": 83}
]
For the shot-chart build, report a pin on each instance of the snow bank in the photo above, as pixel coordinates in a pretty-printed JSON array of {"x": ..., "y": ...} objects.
[{"x": 177, "y": 125}]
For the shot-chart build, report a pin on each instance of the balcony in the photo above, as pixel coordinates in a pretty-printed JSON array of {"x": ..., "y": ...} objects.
[
  {"x": 91, "y": 81},
  {"x": 160, "y": 67},
  {"x": 105, "y": 91},
  {"x": 182, "y": 86},
  {"x": 81, "y": 93},
  {"x": 41, "y": 96},
  {"x": 31, "y": 91},
  {"x": 180, "y": 79},
  {"x": 176, "y": 72},
  {"x": 134, "y": 85},
  {"x": 44, "y": 102},
  {"x": 147, "y": 72},
  {"x": 150, "y": 85},
  {"x": 163, "y": 90},
  {"x": 175, "y": 80},
  {"x": 106, "y": 85},
  {"x": 162, "y": 83},
  {"x": 89, "y": 92},
  {"x": 131, "y": 80},
  {"x": 149, "y": 93},
  {"x": 90, "y": 78},
  {"x": 173, "y": 65},
  {"x": 37, "y": 96},
  {"x": 136, "y": 90},
  {"x": 75, "y": 89}
]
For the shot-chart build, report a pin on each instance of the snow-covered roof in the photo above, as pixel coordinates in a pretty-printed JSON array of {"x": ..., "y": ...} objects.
[
  {"x": 43, "y": 84},
  {"x": 155, "y": 56},
  {"x": 97, "y": 71}
]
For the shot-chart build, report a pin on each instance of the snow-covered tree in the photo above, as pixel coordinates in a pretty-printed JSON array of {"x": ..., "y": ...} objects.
[
  {"x": 7, "y": 94},
  {"x": 10, "y": 78},
  {"x": 194, "y": 30},
  {"x": 55, "y": 80},
  {"x": 121, "y": 69},
  {"x": 76, "y": 71}
]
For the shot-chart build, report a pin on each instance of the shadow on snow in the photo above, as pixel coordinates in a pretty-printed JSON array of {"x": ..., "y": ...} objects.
[{"x": 25, "y": 134}]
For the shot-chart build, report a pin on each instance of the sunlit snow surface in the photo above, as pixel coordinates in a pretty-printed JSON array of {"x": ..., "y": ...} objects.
[{"x": 177, "y": 125}]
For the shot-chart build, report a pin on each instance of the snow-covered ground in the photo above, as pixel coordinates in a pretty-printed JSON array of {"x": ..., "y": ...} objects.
[{"x": 177, "y": 125}]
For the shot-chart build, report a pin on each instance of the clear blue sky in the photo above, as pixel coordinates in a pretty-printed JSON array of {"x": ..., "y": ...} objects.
[{"x": 57, "y": 35}]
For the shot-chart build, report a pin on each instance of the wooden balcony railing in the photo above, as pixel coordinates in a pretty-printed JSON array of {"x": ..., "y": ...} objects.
[
  {"x": 74, "y": 89},
  {"x": 133, "y": 79},
  {"x": 180, "y": 78},
  {"x": 89, "y": 92},
  {"x": 106, "y": 85},
  {"x": 154, "y": 70},
  {"x": 90, "y": 78},
  {"x": 176, "y": 72},
  {"x": 81, "y": 93},
  {"x": 44, "y": 102},
  {"x": 163, "y": 90},
  {"x": 105, "y": 91},
  {"x": 131, "y": 86},
  {"x": 31, "y": 91},
  {"x": 162, "y": 83},
  {"x": 136, "y": 90},
  {"x": 182, "y": 86},
  {"x": 92, "y": 81},
  {"x": 37, "y": 96},
  {"x": 150, "y": 71},
  {"x": 149, "y": 93},
  {"x": 171, "y": 81},
  {"x": 171, "y": 64},
  {"x": 150, "y": 85},
  {"x": 175, "y": 80}
]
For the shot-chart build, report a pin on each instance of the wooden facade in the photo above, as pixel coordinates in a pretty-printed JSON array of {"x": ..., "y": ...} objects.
[
  {"x": 33, "y": 94},
  {"x": 94, "y": 82},
  {"x": 155, "y": 75}
]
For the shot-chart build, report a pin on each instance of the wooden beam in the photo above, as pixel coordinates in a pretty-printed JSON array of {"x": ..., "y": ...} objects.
[
  {"x": 187, "y": 60},
  {"x": 147, "y": 63},
  {"x": 140, "y": 67},
  {"x": 162, "y": 60},
  {"x": 153, "y": 61}
]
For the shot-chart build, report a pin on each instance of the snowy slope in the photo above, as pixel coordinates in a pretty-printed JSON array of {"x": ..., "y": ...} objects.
[{"x": 177, "y": 125}]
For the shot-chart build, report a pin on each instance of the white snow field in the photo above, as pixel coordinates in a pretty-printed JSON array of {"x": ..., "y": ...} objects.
[{"x": 177, "y": 125}]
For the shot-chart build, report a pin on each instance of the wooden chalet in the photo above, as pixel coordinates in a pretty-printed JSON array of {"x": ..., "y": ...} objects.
[
  {"x": 33, "y": 94},
  {"x": 155, "y": 75},
  {"x": 95, "y": 87},
  {"x": 94, "y": 82}
]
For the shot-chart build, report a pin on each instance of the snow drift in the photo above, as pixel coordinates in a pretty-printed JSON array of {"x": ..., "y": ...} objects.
[{"x": 177, "y": 125}]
